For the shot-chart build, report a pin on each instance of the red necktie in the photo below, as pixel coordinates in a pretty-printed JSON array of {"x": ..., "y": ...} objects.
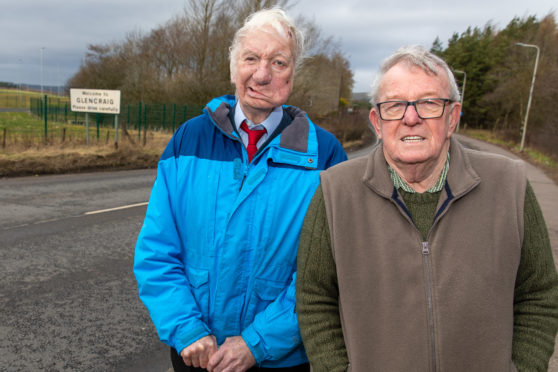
[{"x": 253, "y": 138}]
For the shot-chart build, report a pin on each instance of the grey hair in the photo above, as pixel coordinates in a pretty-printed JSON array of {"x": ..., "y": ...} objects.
[
  {"x": 275, "y": 19},
  {"x": 414, "y": 55}
]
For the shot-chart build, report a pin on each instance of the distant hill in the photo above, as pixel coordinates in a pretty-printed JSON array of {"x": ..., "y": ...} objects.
[
  {"x": 361, "y": 96},
  {"x": 49, "y": 89},
  {"x": 4, "y": 84}
]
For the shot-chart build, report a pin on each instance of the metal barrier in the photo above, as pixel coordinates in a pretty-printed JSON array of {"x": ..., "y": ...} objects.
[{"x": 141, "y": 116}]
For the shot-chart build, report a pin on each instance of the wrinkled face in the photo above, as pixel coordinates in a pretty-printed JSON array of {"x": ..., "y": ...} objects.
[
  {"x": 413, "y": 140},
  {"x": 264, "y": 73}
]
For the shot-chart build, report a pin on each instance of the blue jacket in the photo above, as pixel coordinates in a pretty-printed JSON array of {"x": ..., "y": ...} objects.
[{"x": 217, "y": 250}]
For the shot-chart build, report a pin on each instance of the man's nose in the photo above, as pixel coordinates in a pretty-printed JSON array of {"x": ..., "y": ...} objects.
[
  {"x": 411, "y": 116},
  {"x": 262, "y": 75}
]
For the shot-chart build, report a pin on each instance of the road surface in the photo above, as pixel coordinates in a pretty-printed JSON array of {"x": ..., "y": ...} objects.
[{"x": 68, "y": 296}]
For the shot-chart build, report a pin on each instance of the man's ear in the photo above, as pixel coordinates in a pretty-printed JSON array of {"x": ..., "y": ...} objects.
[
  {"x": 374, "y": 118},
  {"x": 455, "y": 113}
]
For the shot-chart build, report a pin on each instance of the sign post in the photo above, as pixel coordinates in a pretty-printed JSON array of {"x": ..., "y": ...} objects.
[{"x": 97, "y": 101}]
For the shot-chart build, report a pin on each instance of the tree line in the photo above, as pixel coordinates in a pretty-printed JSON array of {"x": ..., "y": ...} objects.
[
  {"x": 186, "y": 60},
  {"x": 498, "y": 78}
]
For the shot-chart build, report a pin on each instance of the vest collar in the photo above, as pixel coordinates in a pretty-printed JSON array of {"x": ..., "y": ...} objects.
[{"x": 461, "y": 176}]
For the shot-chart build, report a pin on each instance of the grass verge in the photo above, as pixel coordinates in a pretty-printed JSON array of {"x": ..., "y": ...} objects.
[
  {"x": 544, "y": 161},
  {"x": 24, "y": 150}
]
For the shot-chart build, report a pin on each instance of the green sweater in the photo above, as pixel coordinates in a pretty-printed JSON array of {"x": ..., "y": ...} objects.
[{"x": 533, "y": 342}]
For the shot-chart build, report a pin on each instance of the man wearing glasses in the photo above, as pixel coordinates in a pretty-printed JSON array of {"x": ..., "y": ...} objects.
[{"x": 425, "y": 256}]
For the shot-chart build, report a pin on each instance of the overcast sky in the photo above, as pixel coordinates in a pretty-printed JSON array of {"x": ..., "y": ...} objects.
[{"x": 367, "y": 30}]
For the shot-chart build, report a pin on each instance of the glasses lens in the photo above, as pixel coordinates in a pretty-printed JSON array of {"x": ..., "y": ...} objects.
[
  {"x": 430, "y": 108},
  {"x": 393, "y": 110}
]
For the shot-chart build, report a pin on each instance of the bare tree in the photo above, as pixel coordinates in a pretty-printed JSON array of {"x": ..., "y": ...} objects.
[{"x": 186, "y": 59}]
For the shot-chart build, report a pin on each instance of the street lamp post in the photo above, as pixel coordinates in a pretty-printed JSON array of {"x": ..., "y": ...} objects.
[
  {"x": 462, "y": 95},
  {"x": 530, "y": 92},
  {"x": 42, "y": 52}
]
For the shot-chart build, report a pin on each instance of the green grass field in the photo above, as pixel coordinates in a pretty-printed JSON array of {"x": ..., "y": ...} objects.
[
  {"x": 21, "y": 124},
  {"x": 14, "y": 98},
  {"x": 23, "y": 130}
]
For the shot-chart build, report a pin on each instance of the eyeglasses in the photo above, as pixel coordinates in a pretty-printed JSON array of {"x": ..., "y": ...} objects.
[{"x": 427, "y": 108}]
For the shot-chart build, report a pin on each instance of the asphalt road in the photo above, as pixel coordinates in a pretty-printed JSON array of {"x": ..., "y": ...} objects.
[
  {"x": 547, "y": 195},
  {"x": 68, "y": 297}
]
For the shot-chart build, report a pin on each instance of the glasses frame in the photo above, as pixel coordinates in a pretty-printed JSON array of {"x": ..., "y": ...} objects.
[{"x": 414, "y": 104}]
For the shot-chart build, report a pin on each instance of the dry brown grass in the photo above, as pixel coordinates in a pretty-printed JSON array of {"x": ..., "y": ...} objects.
[
  {"x": 547, "y": 162},
  {"x": 34, "y": 158}
]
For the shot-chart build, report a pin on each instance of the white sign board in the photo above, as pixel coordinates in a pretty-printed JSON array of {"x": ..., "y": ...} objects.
[{"x": 95, "y": 100}]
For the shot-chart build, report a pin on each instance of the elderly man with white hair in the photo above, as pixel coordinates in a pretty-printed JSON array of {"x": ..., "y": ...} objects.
[
  {"x": 215, "y": 260},
  {"x": 425, "y": 255}
]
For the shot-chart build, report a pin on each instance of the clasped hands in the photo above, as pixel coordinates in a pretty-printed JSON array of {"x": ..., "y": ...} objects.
[{"x": 232, "y": 356}]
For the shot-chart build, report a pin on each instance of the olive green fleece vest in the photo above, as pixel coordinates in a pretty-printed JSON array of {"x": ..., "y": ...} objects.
[{"x": 445, "y": 304}]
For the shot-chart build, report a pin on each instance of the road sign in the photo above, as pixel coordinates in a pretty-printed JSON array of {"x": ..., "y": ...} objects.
[{"x": 95, "y": 100}]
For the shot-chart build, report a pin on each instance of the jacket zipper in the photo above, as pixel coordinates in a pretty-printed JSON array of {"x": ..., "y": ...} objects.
[
  {"x": 242, "y": 182},
  {"x": 426, "y": 260},
  {"x": 244, "y": 175}
]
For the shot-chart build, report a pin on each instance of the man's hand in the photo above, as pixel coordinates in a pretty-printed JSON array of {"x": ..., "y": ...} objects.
[
  {"x": 199, "y": 353},
  {"x": 233, "y": 356}
]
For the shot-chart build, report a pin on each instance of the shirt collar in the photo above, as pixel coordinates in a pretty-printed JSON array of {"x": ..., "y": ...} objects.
[
  {"x": 399, "y": 183},
  {"x": 270, "y": 123}
]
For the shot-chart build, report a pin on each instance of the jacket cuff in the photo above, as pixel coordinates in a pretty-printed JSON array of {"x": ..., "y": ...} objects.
[
  {"x": 183, "y": 340},
  {"x": 255, "y": 344}
]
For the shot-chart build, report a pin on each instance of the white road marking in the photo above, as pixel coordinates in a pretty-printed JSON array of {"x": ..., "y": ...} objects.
[{"x": 117, "y": 208}]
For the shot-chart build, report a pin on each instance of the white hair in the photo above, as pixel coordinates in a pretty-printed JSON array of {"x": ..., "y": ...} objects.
[
  {"x": 275, "y": 20},
  {"x": 415, "y": 55}
]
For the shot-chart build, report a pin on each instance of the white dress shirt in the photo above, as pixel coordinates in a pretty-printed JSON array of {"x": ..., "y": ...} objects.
[{"x": 270, "y": 124}]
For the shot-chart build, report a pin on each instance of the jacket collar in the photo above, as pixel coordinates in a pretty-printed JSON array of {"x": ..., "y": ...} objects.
[{"x": 296, "y": 144}]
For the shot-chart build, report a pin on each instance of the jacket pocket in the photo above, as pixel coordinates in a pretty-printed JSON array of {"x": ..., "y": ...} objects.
[
  {"x": 265, "y": 292},
  {"x": 199, "y": 285}
]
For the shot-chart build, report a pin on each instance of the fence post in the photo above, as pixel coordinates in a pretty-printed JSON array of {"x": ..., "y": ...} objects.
[
  {"x": 87, "y": 127},
  {"x": 46, "y": 111},
  {"x": 164, "y": 112},
  {"x": 173, "y": 115},
  {"x": 144, "y": 124},
  {"x": 139, "y": 121},
  {"x": 116, "y": 131},
  {"x": 98, "y": 118},
  {"x": 57, "y": 110}
]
